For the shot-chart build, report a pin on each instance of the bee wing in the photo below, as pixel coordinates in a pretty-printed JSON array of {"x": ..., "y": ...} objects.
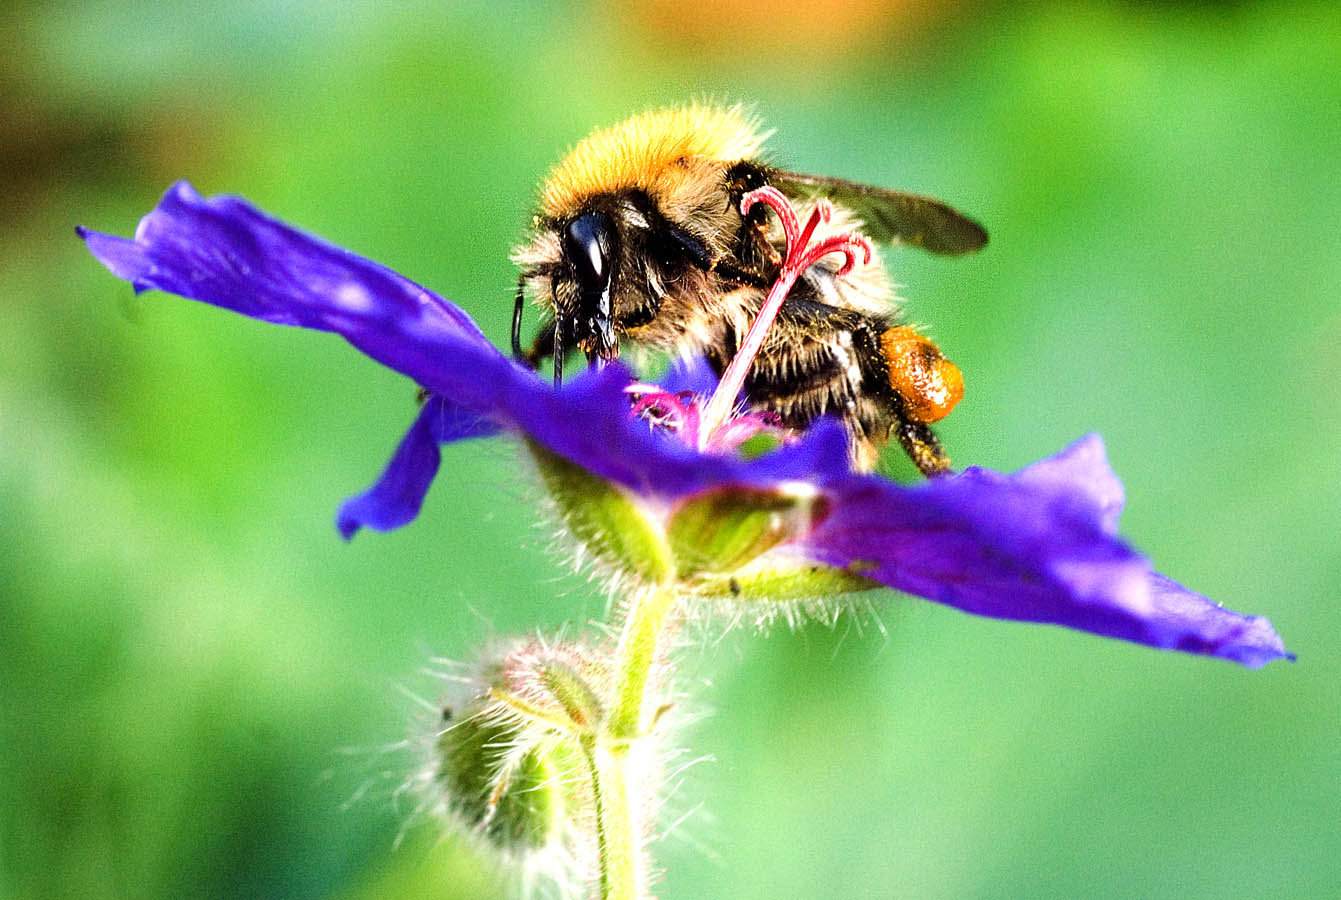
[{"x": 891, "y": 216}]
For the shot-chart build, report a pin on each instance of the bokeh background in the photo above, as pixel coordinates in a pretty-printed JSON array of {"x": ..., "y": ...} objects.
[{"x": 204, "y": 693}]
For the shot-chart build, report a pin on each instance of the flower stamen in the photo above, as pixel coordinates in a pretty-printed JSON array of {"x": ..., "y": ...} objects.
[{"x": 799, "y": 257}]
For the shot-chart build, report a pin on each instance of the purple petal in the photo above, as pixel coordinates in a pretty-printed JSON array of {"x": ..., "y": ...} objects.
[
  {"x": 1083, "y": 473},
  {"x": 1194, "y": 624},
  {"x": 694, "y": 374},
  {"x": 588, "y": 423},
  {"x": 1036, "y": 546},
  {"x": 226, "y": 252},
  {"x": 395, "y": 498}
]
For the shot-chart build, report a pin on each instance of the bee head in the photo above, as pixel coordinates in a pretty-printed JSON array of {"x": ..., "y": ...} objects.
[{"x": 589, "y": 255}]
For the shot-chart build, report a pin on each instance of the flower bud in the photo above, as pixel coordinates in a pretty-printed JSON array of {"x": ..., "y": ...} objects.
[
  {"x": 508, "y": 759},
  {"x": 507, "y": 788}
]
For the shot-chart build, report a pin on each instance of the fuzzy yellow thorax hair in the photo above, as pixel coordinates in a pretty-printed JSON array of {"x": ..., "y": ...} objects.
[{"x": 643, "y": 153}]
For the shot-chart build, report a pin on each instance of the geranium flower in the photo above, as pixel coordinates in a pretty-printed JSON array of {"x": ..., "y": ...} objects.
[{"x": 1039, "y": 545}]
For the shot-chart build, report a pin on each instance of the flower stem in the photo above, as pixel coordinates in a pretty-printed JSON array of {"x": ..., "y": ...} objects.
[
  {"x": 616, "y": 830},
  {"x": 613, "y": 750},
  {"x": 643, "y": 626}
]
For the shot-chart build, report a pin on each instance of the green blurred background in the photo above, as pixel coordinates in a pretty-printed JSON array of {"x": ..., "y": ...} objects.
[{"x": 204, "y": 693}]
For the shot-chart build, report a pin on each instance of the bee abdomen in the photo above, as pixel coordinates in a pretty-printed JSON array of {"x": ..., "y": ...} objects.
[
  {"x": 809, "y": 365},
  {"x": 809, "y": 371}
]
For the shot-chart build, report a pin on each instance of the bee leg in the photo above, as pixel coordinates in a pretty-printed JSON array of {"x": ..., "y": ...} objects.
[
  {"x": 759, "y": 231},
  {"x": 557, "y": 350},
  {"x": 741, "y": 274},
  {"x": 541, "y": 347},
  {"x": 923, "y": 448},
  {"x": 517, "y": 308},
  {"x": 696, "y": 252}
]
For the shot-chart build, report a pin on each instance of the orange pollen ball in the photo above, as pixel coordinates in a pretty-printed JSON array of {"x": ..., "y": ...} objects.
[{"x": 929, "y": 384}]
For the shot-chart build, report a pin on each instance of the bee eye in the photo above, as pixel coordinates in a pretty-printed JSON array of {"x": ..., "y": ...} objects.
[{"x": 587, "y": 242}]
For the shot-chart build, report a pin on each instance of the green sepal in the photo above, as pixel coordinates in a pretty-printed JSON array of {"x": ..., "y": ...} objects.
[
  {"x": 604, "y": 518},
  {"x": 516, "y": 801},
  {"x": 579, "y": 700},
  {"x": 783, "y": 583},
  {"x": 720, "y": 531},
  {"x": 757, "y": 445}
]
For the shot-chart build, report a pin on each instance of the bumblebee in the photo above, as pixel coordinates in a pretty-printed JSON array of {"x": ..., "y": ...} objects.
[{"x": 640, "y": 237}]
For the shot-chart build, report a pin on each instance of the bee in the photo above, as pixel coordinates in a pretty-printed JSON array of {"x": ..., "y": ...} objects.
[{"x": 640, "y": 237}]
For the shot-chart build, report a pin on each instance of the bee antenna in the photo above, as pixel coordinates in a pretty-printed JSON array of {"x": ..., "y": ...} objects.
[
  {"x": 517, "y": 318},
  {"x": 558, "y": 352},
  {"x": 558, "y": 332}
]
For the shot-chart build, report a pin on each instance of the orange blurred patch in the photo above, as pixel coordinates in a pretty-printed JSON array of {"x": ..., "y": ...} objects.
[{"x": 788, "y": 25}]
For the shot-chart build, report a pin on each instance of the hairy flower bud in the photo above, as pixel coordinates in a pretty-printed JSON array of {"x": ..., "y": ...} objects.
[
  {"x": 505, "y": 787},
  {"x": 509, "y": 763},
  {"x": 546, "y": 747}
]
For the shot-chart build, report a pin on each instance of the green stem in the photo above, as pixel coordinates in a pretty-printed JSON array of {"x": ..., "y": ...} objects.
[
  {"x": 616, "y": 830},
  {"x": 611, "y": 750},
  {"x": 638, "y": 645}
]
